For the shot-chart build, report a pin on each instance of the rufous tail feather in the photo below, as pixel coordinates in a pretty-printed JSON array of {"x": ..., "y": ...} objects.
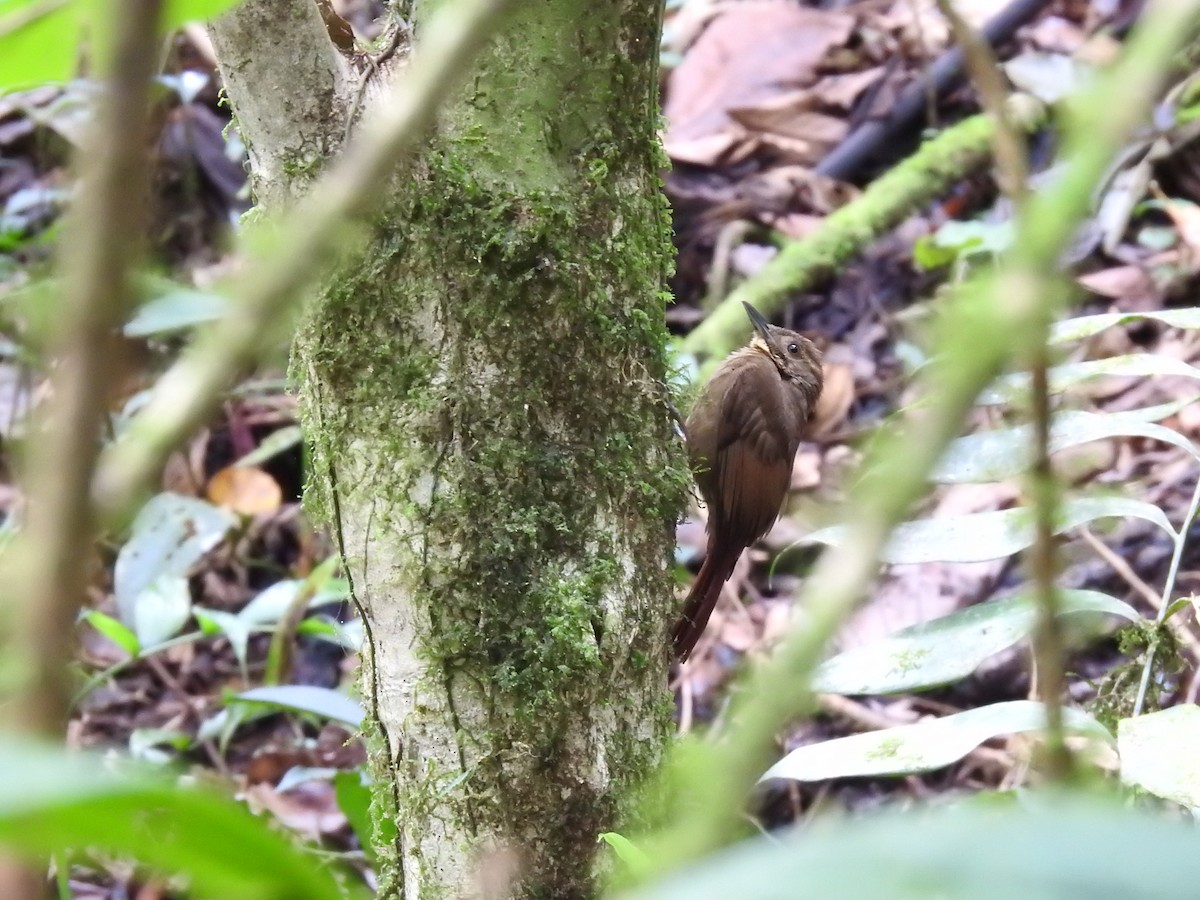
[{"x": 702, "y": 599}]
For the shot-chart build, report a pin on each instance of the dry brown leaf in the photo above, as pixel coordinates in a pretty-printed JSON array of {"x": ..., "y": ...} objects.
[
  {"x": 1120, "y": 282},
  {"x": 836, "y": 399},
  {"x": 750, "y": 53},
  {"x": 309, "y": 808},
  {"x": 246, "y": 490}
]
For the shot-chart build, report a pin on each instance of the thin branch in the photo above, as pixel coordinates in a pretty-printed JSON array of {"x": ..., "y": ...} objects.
[
  {"x": 1010, "y": 151},
  {"x": 46, "y": 571},
  {"x": 304, "y": 243},
  {"x": 1180, "y": 538},
  {"x": 105, "y": 229},
  {"x": 998, "y": 319}
]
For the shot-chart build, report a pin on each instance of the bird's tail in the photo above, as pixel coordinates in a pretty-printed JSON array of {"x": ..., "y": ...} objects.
[{"x": 702, "y": 599}]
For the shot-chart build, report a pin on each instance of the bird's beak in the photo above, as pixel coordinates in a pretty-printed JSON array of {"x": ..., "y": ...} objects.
[{"x": 761, "y": 325}]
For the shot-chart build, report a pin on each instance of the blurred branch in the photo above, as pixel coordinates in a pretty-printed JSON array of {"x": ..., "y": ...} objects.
[
  {"x": 46, "y": 570},
  {"x": 304, "y": 242},
  {"x": 104, "y": 233},
  {"x": 1012, "y": 171},
  {"x": 989, "y": 322}
]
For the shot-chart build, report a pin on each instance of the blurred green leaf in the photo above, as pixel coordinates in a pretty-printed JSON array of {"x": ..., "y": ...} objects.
[
  {"x": 53, "y": 800},
  {"x": 1067, "y": 375},
  {"x": 39, "y": 41},
  {"x": 1086, "y": 326},
  {"x": 1158, "y": 753},
  {"x": 115, "y": 630},
  {"x": 951, "y": 647},
  {"x": 353, "y": 792},
  {"x": 634, "y": 858},
  {"x": 176, "y": 310},
  {"x": 990, "y": 535},
  {"x": 1005, "y": 452},
  {"x": 178, "y": 12},
  {"x": 1063, "y": 848},
  {"x": 272, "y": 445},
  {"x": 923, "y": 746}
]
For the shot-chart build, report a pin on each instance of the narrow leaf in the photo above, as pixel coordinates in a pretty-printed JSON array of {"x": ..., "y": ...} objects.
[
  {"x": 951, "y": 647},
  {"x": 1006, "y": 452},
  {"x": 1086, "y": 326},
  {"x": 115, "y": 630},
  {"x": 323, "y": 702},
  {"x": 1016, "y": 385},
  {"x": 923, "y": 746},
  {"x": 990, "y": 535}
]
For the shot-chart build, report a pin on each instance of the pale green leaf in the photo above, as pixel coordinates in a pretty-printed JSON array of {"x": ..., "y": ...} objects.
[
  {"x": 115, "y": 630},
  {"x": 176, "y": 310},
  {"x": 170, "y": 534},
  {"x": 322, "y": 702},
  {"x": 39, "y": 42},
  {"x": 1015, "y": 386},
  {"x": 162, "y": 609},
  {"x": 951, "y": 647},
  {"x": 1159, "y": 753},
  {"x": 1048, "y": 847},
  {"x": 1086, "y": 326},
  {"x": 990, "y": 535},
  {"x": 923, "y": 746},
  {"x": 1006, "y": 452}
]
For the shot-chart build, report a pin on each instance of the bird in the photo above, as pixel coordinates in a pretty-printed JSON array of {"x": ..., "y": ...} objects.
[{"x": 742, "y": 435}]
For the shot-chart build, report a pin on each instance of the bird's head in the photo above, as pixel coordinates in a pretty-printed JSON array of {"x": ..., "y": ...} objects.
[{"x": 796, "y": 357}]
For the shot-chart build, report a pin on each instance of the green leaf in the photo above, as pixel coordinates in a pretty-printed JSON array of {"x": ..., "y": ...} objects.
[
  {"x": 1086, "y": 326},
  {"x": 161, "y": 609},
  {"x": 634, "y": 858},
  {"x": 179, "y": 12},
  {"x": 176, "y": 310},
  {"x": 234, "y": 627},
  {"x": 1064, "y": 847},
  {"x": 353, "y": 792},
  {"x": 990, "y": 535},
  {"x": 1015, "y": 386},
  {"x": 39, "y": 41},
  {"x": 949, "y": 648},
  {"x": 115, "y": 630},
  {"x": 272, "y": 445},
  {"x": 322, "y": 702},
  {"x": 53, "y": 800},
  {"x": 170, "y": 534},
  {"x": 923, "y": 746},
  {"x": 1158, "y": 753},
  {"x": 1005, "y": 452}
]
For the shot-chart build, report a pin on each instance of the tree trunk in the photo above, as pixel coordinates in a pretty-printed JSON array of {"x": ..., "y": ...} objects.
[{"x": 484, "y": 389}]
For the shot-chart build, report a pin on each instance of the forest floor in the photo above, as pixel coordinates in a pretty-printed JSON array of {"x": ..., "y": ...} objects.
[{"x": 776, "y": 115}]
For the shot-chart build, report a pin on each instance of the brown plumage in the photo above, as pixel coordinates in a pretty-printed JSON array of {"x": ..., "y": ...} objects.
[{"x": 742, "y": 437}]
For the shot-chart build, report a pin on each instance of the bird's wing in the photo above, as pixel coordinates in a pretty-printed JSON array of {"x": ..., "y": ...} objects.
[{"x": 755, "y": 449}]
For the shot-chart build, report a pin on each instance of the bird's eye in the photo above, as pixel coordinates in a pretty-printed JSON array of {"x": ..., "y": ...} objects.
[{"x": 793, "y": 348}]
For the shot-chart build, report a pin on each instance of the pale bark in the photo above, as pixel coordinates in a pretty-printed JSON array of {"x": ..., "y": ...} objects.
[{"x": 483, "y": 387}]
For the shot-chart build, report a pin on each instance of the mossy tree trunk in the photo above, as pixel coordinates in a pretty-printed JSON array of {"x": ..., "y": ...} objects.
[{"x": 483, "y": 386}]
